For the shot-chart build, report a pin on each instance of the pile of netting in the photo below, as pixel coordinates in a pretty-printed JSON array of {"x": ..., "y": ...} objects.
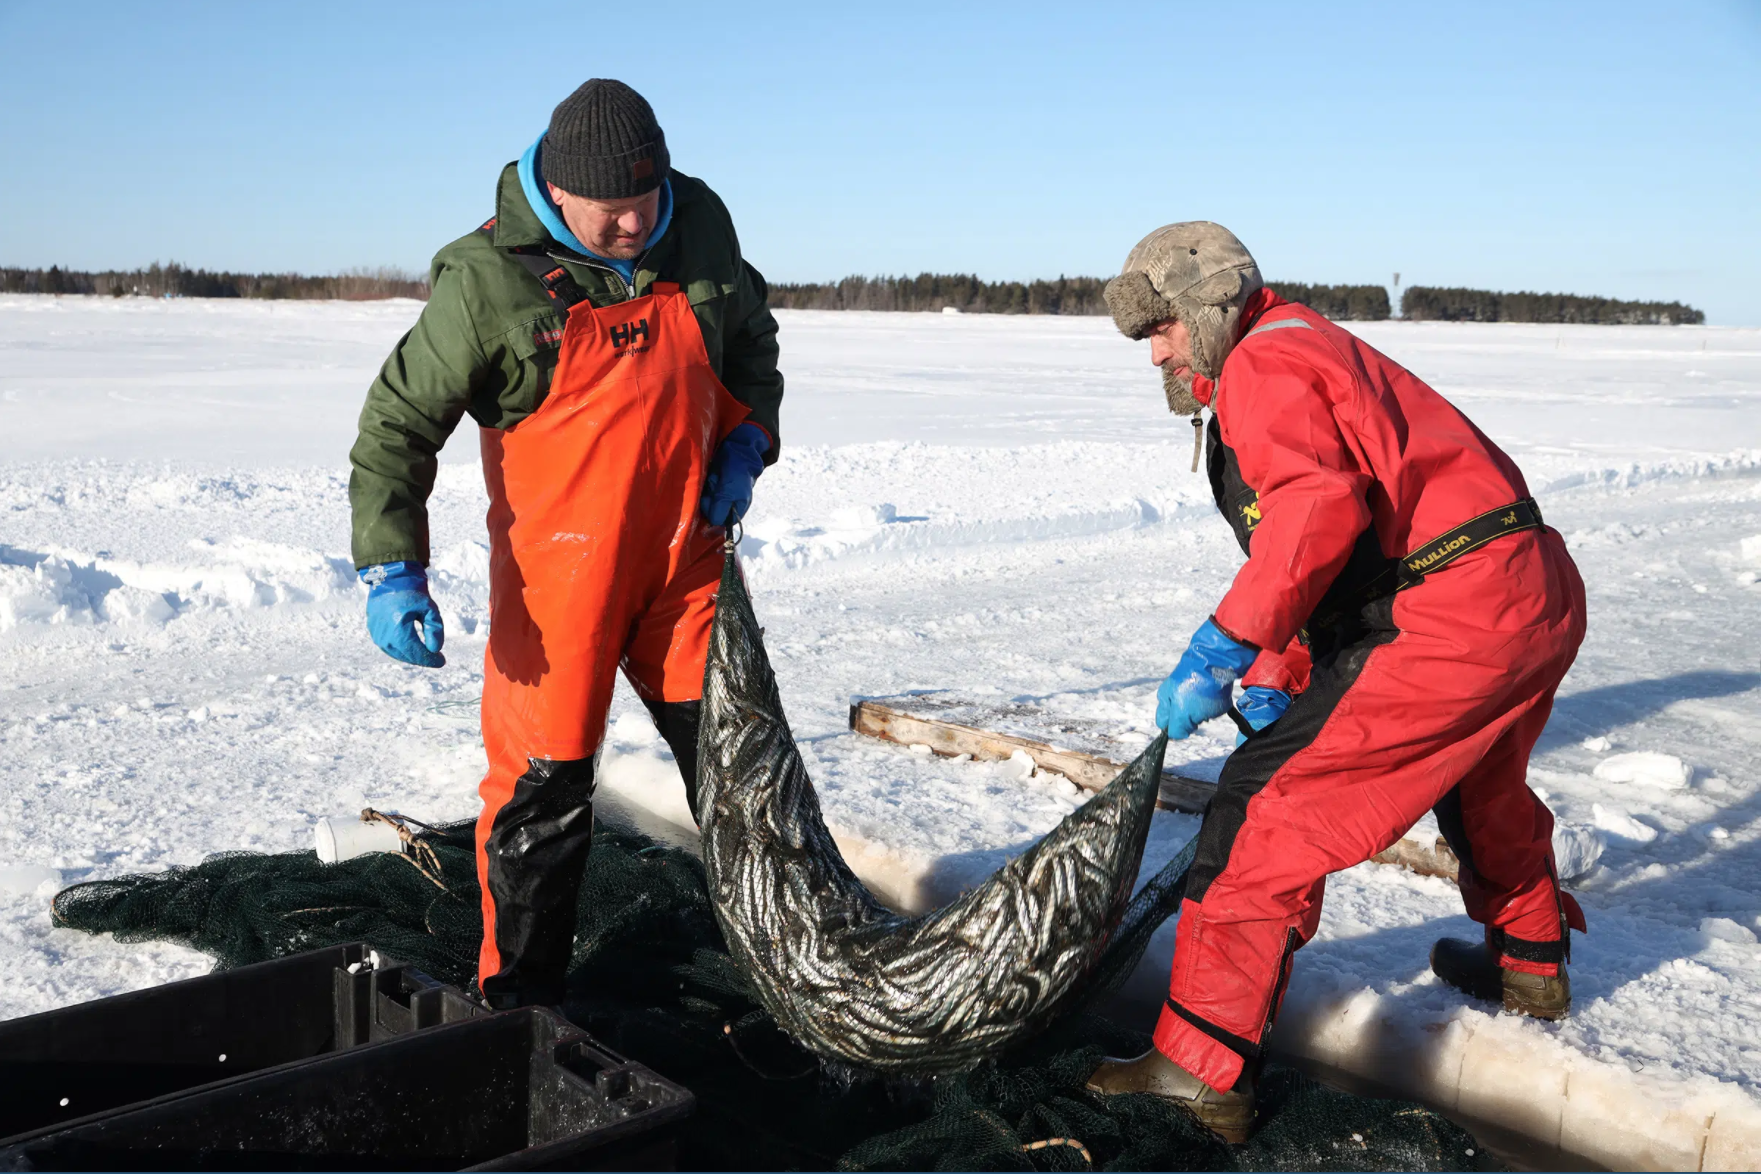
[{"x": 650, "y": 977}]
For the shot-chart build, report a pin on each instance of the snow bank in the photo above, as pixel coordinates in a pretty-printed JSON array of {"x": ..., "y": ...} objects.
[
  {"x": 1736, "y": 464},
  {"x": 790, "y": 544},
  {"x": 1509, "y": 1075},
  {"x": 41, "y": 592},
  {"x": 60, "y": 586}
]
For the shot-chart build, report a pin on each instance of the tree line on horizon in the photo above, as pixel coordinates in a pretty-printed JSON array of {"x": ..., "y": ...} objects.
[
  {"x": 1421, "y": 303},
  {"x": 932, "y": 292},
  {"x": 176, "y": 281},
  {"x": 927, "y": 292}
]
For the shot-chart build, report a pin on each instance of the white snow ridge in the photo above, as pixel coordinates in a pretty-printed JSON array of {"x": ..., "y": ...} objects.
[
  {"x": 60, "y": 586},
  {"x": 995, "y": 505}
]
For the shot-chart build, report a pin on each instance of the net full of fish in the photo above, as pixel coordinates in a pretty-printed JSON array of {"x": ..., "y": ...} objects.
[{"x": 858, "y": 983}]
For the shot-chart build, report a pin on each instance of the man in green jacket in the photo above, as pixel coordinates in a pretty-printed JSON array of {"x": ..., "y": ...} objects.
[{"x": 620, "y": 360}]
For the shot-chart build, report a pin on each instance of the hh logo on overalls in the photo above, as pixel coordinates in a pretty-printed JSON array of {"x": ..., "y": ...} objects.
[
  {"x": 625, "y": 333},
  {"x": 1250, "y": 514}
]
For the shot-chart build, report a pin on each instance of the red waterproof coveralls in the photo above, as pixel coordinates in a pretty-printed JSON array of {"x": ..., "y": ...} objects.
[
  {"x": 1328, "y": 458},
  {"x": 598, "y": 556}
]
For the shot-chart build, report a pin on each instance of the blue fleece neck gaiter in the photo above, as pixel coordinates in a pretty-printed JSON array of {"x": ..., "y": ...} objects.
[{"x": 551, "y": 216}]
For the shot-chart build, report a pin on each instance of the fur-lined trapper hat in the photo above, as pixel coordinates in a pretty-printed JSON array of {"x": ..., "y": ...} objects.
[{"x": 1197, "y": 272}]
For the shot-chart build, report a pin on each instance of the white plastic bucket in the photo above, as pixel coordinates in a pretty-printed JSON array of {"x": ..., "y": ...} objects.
[{"x": 345, "y": 839}]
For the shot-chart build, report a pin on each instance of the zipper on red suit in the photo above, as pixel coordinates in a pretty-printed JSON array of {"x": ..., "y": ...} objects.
[{"x": 1286, "y": 964}]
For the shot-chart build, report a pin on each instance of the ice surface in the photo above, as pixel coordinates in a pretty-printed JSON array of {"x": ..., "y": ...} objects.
[{"x": 996, "y": 506}]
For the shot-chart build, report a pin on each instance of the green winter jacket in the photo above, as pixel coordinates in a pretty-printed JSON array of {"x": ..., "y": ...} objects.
[{"x": 481, "y": 347}]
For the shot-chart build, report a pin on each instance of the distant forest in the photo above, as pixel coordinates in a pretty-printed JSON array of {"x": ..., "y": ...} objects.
[
  {"x": 1342, "y": 303},
  {"x": 937, "y": 291},
  {"x": 173, "y": 280},
  {"x": 1067, "y": 295},
  {"x": 930, "y": 292},
  {"x": 1423, "y": 303}
]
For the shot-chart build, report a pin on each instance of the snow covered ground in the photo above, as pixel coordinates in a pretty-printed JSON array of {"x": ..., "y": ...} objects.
[{"x": 972, "y": 503}]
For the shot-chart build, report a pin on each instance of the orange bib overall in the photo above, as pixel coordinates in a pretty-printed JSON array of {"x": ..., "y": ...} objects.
[{"x": 598, "y": 556}]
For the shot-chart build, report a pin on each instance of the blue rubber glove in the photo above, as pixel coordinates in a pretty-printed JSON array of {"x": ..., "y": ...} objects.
[
  {"x": 727, "y": 490},
  {"x": 1261, "y": 705},
  {"x": 1199, "y": 687},
  {"x": 401, "y": 617}
]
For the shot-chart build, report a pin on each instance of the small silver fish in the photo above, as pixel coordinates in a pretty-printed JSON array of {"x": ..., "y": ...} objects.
[{"x": 848, "y": 978}]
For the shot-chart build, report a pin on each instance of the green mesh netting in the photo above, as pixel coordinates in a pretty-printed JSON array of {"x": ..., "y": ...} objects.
[{"x": 650, "y": 977}]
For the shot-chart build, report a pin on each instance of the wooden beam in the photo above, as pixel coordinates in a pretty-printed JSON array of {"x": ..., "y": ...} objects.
[
  {"x": 1091, "y": 772},
  {"x": 1436, "y": 860}
]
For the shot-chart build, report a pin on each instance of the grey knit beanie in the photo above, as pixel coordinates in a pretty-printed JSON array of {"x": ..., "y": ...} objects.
[
  {"x": 1197, "y": 272},
  {"x": 604, "y": 143}
]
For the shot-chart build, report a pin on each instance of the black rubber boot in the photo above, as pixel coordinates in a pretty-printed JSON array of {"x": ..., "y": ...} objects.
[
  {"x": 537, "y": 855},
  {"x": 678, "y": 722},
  {"x": 1473, "y": 967},
  {"x": 1227, "y": 1113}
]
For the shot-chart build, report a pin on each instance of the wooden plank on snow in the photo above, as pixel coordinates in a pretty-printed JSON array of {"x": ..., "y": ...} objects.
[
  {"x": 1432, "y": 860},
  {"x": 949, "y": 739},
  {"x": 1090, "y": 771}
]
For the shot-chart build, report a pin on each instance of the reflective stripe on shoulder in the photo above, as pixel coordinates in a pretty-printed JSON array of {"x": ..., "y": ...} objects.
[
  {"x": 1281, "y": 324},
  {"x": 1217, "y": 396}
]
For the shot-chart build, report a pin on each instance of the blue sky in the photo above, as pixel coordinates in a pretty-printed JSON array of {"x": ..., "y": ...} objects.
[{"x": 1603, "y": 148}]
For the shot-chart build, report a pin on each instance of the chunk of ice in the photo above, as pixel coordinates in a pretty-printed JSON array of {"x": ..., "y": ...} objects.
[
  {"x": 864, "y": 517},
  {"x": 1576, "y": 849},
  {"x": 24, "y": 880},
  {"x": 1646, "y": 766},
  {"x": 1616, "y": 822},
  {"x": 1723, "y": 929}
]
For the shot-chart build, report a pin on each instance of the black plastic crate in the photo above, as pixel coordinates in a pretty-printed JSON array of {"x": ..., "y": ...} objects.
[
  {"x": 67, "y": 1064},
  {"x": 510, "y": 1091}
]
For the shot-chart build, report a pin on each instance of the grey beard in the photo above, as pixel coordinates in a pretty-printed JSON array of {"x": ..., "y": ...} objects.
[{"x": 1178, "y": 389}]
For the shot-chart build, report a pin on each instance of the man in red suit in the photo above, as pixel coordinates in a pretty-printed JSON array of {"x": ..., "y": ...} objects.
[{"x": 1400, "y": 625}]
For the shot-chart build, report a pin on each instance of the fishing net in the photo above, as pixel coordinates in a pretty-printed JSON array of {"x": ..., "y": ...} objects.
[{"x": 652, "y": 979}]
